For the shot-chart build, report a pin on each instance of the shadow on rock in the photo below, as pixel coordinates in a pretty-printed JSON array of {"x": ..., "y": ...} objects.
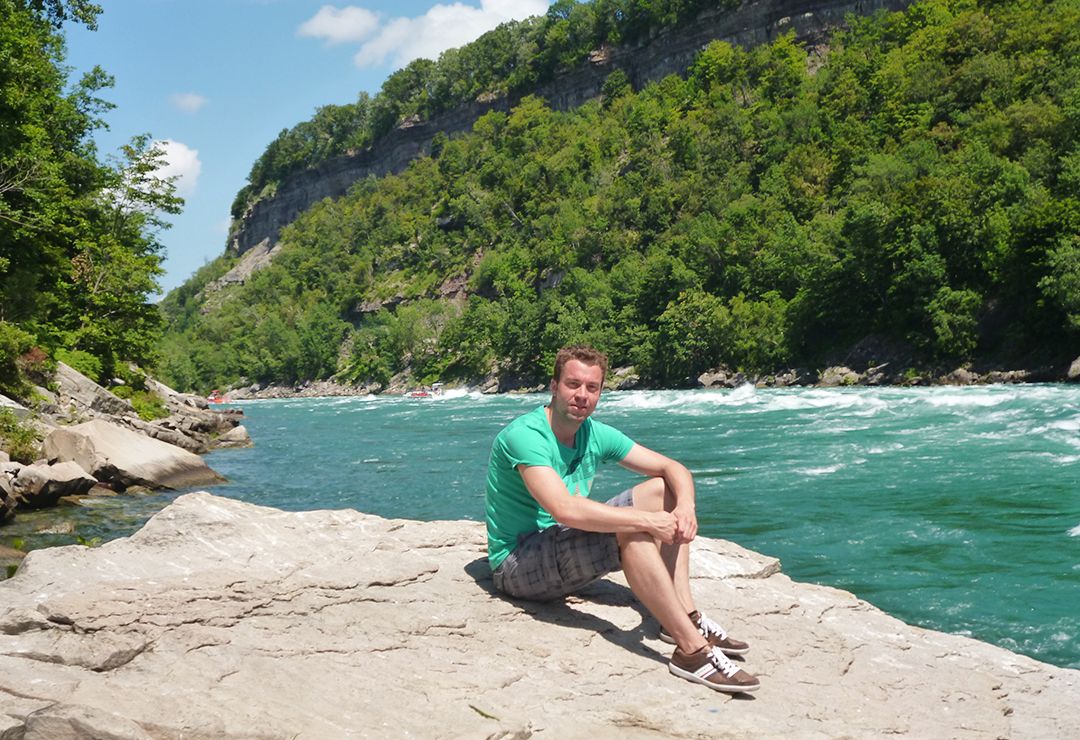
[{"x": 562, "y": 612}]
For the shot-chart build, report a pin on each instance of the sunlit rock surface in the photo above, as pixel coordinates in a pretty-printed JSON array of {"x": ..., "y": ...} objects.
[{"x": 224, "y": 619}]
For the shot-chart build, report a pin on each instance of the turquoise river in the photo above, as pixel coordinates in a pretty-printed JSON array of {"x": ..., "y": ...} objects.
[{"x": 957, "y": 509}]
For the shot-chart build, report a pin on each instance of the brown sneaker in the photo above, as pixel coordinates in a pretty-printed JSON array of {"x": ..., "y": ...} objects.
[
  {"x": 714, "y": 633},
  {"x": 709, "y": 666}
]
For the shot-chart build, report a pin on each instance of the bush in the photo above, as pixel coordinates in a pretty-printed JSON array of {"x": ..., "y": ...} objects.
[
  {"x": 758, "y": 333},
  {"x": 954, "y": 317},
  {"x": 147, "y": 405},
  {"x": 82, "y": 361},
  {"x": 691, "y": 336},
  {"x": 20, "y": 441},
  {"x": 14, "y": 344}
]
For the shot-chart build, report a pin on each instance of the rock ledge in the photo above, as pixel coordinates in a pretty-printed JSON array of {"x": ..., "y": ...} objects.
[{"x": 221, "y": 619}]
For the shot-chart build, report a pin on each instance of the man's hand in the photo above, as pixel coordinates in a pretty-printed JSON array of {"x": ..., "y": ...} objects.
[
  {"x": 685, "y": 524},
  {"x": 663, "y": 526},
  {"x": 677, "y": 479}
]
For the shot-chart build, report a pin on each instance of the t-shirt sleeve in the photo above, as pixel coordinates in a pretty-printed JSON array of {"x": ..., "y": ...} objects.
[
  {"x": 614, "y": 445},
  {"x": 524, "y": 446}
]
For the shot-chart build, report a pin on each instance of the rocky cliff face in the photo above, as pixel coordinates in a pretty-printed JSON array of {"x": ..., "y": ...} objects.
[
  {"x": 221, "y": 619},
  {"x": 669, "y": 51}
]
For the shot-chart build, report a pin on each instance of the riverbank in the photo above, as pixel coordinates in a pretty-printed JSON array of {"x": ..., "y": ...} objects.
[
  {"x": 341, "y": 624},
  {"x": 80, "y": 439},
  {"x": 863, "y": 371}
]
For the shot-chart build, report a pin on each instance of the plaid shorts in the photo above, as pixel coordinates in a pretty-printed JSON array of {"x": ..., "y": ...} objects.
[{"x": 557, "y": 561}]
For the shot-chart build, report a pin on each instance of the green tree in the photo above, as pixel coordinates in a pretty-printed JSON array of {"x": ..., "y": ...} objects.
[
  {"x": 954, "y": 316},
  {"x": 117, "y": 261},
  {"x": 691, "y": 336},
  {"x": 78, "y": 251}
]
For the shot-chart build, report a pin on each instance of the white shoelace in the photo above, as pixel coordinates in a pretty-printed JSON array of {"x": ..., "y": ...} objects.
[
  {"x": 722, "y": 663},
  {"x": 709, "y": 627}
]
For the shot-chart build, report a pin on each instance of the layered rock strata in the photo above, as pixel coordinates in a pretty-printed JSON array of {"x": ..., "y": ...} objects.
[{"x": 226, "y": 620}]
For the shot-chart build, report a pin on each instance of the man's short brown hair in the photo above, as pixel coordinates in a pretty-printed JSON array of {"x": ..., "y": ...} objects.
[{"x": 581, "y": 353}]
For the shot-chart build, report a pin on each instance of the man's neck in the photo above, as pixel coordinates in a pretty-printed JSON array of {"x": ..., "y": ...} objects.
[{"x": 564, "y": 431}]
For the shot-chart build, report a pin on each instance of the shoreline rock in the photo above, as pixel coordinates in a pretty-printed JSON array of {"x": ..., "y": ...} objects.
[
  {"x": 40, "y": 486},
  {"x": 111, "y": 445},
  {"x": 834, "y": 376},
  {"x": 341, "y": 624},
  {"x": 123, "y": 458}
]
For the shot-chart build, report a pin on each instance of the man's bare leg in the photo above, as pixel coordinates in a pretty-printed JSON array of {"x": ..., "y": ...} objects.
[
  {"x": 654, "y": 495},
  {"x": 653, "y": 580},
  {"x": 650, "y": 581}
]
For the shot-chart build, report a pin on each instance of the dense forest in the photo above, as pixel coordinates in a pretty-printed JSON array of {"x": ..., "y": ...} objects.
[
  {"x": 918, "y": 183},
  {"x": 79, "y": 254},
  {"x": 515, "y": 57}
]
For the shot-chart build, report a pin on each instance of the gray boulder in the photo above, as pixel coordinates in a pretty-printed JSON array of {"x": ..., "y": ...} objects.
[
  {"x": 1074, "y": 371},
  {"x": 236, "y": 437},
  {"x": 20, "y": 411},
  {"x": 78, "y": 391},
  {"x": 191, "y": 424},
  {"x": 624, "y": 379},
  {"x": 124, "y": 458},
  {"x": 39, "y": 486},
  {"x": 838, "y": 376},
  {"x": 960, "y": 376},
  {"x": 8, "y": 501},
  {"x": 718, "y": 378},
  {"x": 336, "y": 624},
  {"x": 174, "y": 398}
]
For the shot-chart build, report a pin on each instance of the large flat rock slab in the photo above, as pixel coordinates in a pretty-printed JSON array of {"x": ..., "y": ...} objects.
[
  {"x": 222, "y": 619},
  {"x": 120, "y": 456}
]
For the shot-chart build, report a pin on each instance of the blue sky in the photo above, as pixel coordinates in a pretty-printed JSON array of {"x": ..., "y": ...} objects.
[{"x": 217, "y": 80}]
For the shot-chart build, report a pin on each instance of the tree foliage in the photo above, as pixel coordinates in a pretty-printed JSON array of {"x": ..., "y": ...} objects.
[
  {"x": 921, "y": 185},
  {"x": 513, "y": 58},
  {"x": 79, "y": 256}
]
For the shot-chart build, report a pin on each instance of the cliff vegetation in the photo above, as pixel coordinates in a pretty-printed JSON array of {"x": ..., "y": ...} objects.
[
  {"x": 919, "y": 183},
  {"x": 515, "y": 57}
]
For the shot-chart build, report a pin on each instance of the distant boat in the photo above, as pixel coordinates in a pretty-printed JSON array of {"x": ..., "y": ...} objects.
[
  {"x": 435, "y": 389},
  {"x": 216, "y": 396}
]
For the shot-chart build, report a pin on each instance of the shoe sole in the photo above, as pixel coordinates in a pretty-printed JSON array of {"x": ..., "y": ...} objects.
[
  {"x": 664, "y": 637},
  {"x": 727, "y": 688}
]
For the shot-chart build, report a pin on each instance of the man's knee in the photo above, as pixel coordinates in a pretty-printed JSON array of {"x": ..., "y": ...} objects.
[{"x": 653, "y": 495}]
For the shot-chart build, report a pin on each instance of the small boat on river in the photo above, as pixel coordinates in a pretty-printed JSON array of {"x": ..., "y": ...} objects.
[{"x": 435, "y": 389}]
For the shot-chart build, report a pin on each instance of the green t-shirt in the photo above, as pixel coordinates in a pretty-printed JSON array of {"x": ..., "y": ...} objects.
[{"x": 528, "y": 440}]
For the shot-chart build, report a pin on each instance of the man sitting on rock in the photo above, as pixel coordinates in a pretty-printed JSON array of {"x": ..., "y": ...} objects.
[{"x": 548, "y": 539}]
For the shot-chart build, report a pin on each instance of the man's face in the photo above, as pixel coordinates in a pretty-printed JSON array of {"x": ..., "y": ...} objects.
[{"x": 575, "y": 393}]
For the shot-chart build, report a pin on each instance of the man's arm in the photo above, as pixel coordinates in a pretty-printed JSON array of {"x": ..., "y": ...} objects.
[
  {"x": 580, "y": 512},
  {"x": 679, "y": 481}
]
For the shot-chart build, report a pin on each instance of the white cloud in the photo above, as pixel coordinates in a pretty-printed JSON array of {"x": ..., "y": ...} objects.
[
  {"x": 182, "y": 162},
  {"x": 340, "y": 24},
  {"x": 188, "y": 102},
  {"x": 400, "y": 40}
]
